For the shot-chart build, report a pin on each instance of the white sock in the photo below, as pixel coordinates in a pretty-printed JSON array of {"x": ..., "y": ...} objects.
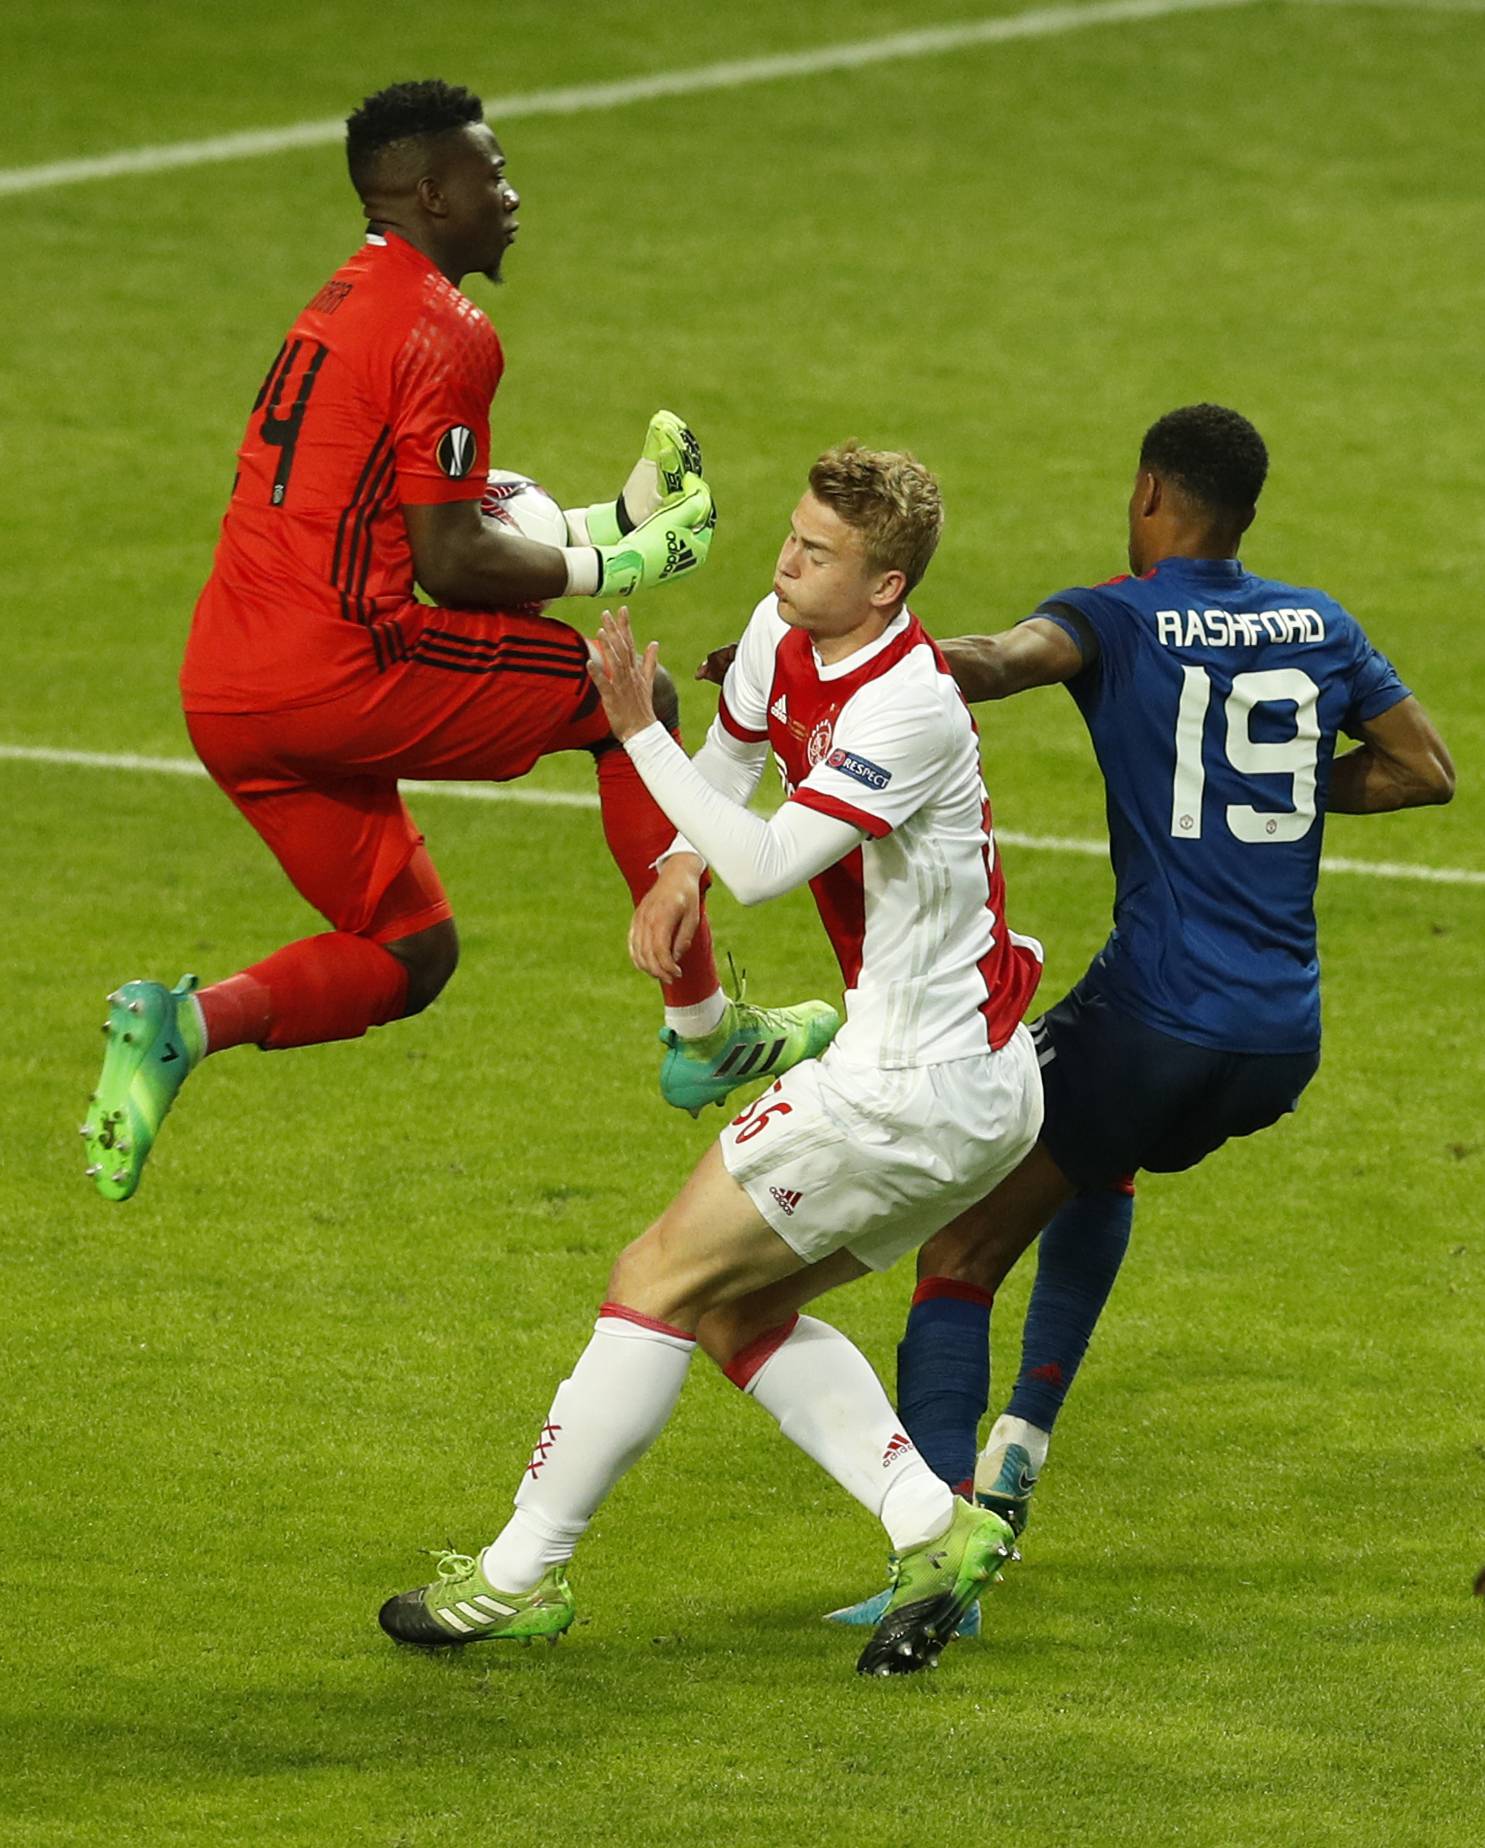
[
  {"x": 701, "y": 1018},
  {"x": 828, "y": 1401},
  {"x": 1032, "y": 1439},
  {"x": 606, "y": 1414}
]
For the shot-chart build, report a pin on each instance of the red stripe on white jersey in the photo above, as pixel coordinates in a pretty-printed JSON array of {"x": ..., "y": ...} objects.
[
  {"x": 842, "y": 811},
  {"x": 734, "y": 725},
  {"x": 1010, "y": 968},
  {"x": 840, "y": 898}
]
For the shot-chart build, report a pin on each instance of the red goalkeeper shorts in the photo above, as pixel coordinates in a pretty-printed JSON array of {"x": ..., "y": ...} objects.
[{"x": 319, "y": 783}]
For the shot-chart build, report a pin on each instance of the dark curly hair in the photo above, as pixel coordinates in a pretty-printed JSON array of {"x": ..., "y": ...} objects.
[
  {"x": 404, "y": 112},
  {"x": 1215, "y": 455}
]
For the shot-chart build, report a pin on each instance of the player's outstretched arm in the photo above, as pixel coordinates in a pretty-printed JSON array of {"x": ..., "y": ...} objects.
[
  {"x": 665, "y": 920},
  {"x": 1401, "y": 762},
  {"x": 757, "y": 858},
  {"x": 465, "y": 561},
  {"x": 468, "y": 562},
  {"x": 1036, "y": 653}
]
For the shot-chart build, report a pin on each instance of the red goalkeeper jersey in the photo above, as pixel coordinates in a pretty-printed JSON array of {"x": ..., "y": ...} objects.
[{"x": 379, "y": 396}]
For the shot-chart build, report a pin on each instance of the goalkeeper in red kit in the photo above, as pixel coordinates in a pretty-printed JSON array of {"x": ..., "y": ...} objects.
[{"x": 314, "y": 678}]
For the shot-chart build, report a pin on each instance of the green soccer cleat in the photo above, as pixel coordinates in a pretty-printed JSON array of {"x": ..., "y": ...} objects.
[
  {"x": 154, "y": 1043},
  {"x": 932, "y": 1587},
  {"x": 461, "y": 1606},
  {"x": 1004, "y": 1480},
  {"x": 749, "y": 1042}
]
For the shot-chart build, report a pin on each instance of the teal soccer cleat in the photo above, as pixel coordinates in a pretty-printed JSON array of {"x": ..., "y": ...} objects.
[
  {"x": 154, "y": 1043},
  {"x": 1004, "y": 1481},
  {"x": 749, "y": 1043}
]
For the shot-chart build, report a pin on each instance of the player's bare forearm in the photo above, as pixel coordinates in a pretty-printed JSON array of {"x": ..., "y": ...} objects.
[
  {"x": 465, "y": 561},
  {"x": 1401, "y": 762},
  {"x": 974, "y": 662},
  {"x": 1365, "y": 783},
  {"x": 1036, "y": 653}
]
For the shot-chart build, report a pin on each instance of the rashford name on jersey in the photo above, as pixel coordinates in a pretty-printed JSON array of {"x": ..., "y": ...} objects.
[{"x": 1237, "y": 628}]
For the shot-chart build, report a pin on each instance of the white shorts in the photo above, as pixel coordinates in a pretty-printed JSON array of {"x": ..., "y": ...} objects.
[{"x": 846, "y": 1157}]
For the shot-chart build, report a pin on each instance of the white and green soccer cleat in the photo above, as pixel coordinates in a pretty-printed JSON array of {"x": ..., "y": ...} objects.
[
  {"x": 1004, "y": 1481},
  {"x": 748, "y": 1043},
  {"x": 933, "y": 1585},
  {"x": 154, "y": 1042},
  {"x": 461, "y": 1606}
]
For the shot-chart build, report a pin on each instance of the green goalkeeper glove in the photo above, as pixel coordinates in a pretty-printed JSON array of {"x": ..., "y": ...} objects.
[
  {"x": 672, "y": 542},
  {"x": 670, "y": 453}
]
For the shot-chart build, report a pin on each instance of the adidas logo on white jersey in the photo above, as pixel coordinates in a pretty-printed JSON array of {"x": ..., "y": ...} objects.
[
  {"x": 779, "y": 710},
  {"x": 787, "y": 1197}
]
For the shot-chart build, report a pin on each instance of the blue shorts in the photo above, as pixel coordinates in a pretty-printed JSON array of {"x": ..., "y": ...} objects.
[{"x": 1121, "y": 1095}]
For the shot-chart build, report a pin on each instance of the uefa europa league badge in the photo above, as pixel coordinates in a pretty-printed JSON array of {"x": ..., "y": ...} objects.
[{"x": 456, "y": 452}]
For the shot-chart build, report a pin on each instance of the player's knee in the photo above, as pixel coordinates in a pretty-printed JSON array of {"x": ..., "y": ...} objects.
[
  {"x": 637, "y": 1273},
  {"x": 650, "y": 1278},
  {"x": 964, "y": 1252},
  {"x": 667, "y": 701},
  {"x": 724, "y": 1332},
  {"x": 430, "y": 958},
  {"x": 944, "y": 1255}
]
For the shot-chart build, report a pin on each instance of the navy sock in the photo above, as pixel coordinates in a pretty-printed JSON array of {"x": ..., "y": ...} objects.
[
  {"x": 943, "y": 1375},
  {"x": 1078, "y": 1257}
]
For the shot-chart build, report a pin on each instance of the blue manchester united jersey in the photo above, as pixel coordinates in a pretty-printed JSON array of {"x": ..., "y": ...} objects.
[{"x": 1214, "y": 699}]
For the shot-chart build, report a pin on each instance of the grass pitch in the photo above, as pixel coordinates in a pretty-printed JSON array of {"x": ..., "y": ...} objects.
[{"x": 323, "y": 1335}]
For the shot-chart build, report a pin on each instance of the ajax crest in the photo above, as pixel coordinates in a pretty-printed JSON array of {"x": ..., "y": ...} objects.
[{"x": 818, "y": 746}]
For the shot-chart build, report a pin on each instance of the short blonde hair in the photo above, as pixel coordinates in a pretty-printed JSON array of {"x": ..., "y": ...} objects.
[{"x": 890, "y": 499}]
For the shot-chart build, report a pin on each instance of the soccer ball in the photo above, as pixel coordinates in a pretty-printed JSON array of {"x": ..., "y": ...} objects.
[{"x": 518, "y": 501}]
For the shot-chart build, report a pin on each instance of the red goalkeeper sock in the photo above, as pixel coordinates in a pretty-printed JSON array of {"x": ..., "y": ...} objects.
[
  {"x": 638, "y": 832},
  {"x": 331, "y": 987}
]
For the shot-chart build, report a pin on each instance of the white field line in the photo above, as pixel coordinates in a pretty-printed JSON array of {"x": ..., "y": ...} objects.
[
  {"x": 927, "y": 42},
  {"x": 1405, "y": 6},
  {"x": 931, "y": 41},
  {"x": 131, "y": 763}
]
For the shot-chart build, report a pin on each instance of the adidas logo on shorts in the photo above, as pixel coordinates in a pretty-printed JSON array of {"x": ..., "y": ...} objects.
[{"x": 787, "y": 1197}]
